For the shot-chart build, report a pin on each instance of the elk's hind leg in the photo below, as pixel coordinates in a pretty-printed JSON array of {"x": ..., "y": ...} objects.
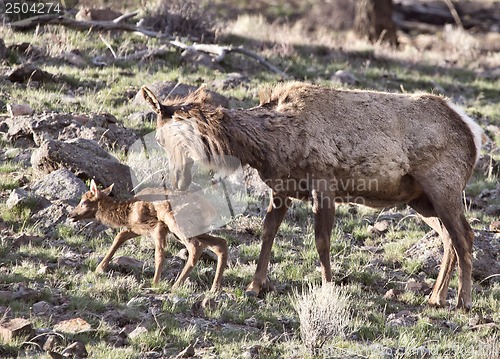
[
  {"x": 423, "y": 206},
  {"x": 324, "y": 215},
  {"x": 449, "y": 208},
  {"x": 120, "y": 238}
]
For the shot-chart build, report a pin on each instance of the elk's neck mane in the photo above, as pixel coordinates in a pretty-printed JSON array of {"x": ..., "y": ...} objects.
[{"x": 246, "y": 134}]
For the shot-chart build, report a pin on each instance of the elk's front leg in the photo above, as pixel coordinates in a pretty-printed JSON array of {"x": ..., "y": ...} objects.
[
  {"x": 275, "y": 213},
  {"x": 120, "y": 238},
  {"x": 324, "y": 215}
]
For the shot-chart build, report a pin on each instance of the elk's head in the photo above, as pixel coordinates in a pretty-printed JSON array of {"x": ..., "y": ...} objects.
[
  {"x": 89, "y": 204},
  {"x": 177, "y": 133}
]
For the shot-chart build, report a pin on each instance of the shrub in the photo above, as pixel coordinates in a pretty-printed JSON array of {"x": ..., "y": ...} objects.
[{"x": 324, "y": 314}]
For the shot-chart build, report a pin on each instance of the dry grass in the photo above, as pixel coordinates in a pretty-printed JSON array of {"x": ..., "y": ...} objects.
[{"x": 324, "y": 314}]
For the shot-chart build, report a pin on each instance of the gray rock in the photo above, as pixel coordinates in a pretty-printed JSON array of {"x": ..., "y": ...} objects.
[
  {"x": 128, "y": 264},
  {"x": 232, "y": 80},
  {"x": 41, "y": 307},
  {"x": 344, "y": 77},
  {"x": 137, "y": 332},
  {"x": 87, "y": 160},
  {"x": 18, "y": 197},
  {"x": 401, "y": 319},
  {"x": 29, "y": 72},
  {"x": 60, "y": 185},
  {"x": 102, "y": 128},
  {"x": 51, "y": 216},
  {"x": 75, "y": 350},
  {"x": 173, "y": 89}
]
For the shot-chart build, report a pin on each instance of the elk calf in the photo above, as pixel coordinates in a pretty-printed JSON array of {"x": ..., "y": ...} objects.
[{"x": 154, "y": 219}]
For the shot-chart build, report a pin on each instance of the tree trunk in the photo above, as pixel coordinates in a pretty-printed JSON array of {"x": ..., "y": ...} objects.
[{"x": 374, "y": 21}]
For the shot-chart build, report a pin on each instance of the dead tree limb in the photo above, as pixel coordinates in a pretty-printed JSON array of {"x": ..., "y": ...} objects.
[
  {"x": 33, "y": 22},
  {"x": 118, "y": 24},
  {"x": 454, "y": 13},
  {"x": 221, "y": 51}
]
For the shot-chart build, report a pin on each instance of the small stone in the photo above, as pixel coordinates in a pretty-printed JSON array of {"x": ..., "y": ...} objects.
[
  {"x": 41, "y": 307},
  {"x": 401, "y": 319},
  {"x": 15, "y": 328},
  {"x": 62, "y": 185},
  {"x": 12, "y": 152},
  {"x": 252, "y": 322},
  {"x": 6, "y": 295},
  {"x": 451, "y": 325},
  {"x": 413, "y": 286},
  {"x": 75, "y": 350},
  {"x": 24, "y": 239},
  {"x": 52, "y": 342},
  {"x": 392, "y": 294},
  {"x": 127, "y": 263},
  {"x": 344, "y": 77},
  {"x": 495, "y": 226},
  {"x": 73, "y": 326},
  {"x": 493, "y": 210},
  {"x": 18, "y": 196},
  {"x": 137, "y": 332},
  {"x": 29, "y": 72},
  {"x": 27, "y": 294},
  {"x": 74, "y": 59},
  {"x": 381, "y": 227},
  {"x": 251, "y": 352},
  {"x": 16, "y": 110}
]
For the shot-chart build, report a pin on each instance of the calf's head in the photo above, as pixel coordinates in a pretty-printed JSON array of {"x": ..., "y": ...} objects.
[{"x": 89, "y": 204}]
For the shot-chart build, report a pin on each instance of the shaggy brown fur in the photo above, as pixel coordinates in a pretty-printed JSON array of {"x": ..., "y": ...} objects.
[
  {"x": 373, "y": 148},
  {"x": 150, "y": 213}
]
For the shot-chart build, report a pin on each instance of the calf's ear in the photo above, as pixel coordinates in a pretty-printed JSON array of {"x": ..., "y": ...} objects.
[
  {"x": 93, "y": 188},
  {"x": 108, "y": 190}
]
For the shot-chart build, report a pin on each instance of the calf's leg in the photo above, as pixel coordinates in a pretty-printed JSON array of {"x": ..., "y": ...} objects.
[
  {"x": 120, "y": 238},
  {"x": 159, "y": 236},
  {"x": 219, "y": 247}
]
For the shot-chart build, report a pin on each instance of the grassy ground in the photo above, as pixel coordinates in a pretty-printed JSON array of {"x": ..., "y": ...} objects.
[{"x": 365, "y": 265}]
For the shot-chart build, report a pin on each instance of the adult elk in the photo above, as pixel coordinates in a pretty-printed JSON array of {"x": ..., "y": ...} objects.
[{"x": 374, "y": 148}]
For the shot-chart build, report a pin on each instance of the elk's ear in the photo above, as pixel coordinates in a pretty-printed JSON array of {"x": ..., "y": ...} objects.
[
  {"x": 156, "y": 106},
  {"x": 108, "y": 190},
  {"x": 93, "y": 188},
  {"x": 151, "y": 99}
]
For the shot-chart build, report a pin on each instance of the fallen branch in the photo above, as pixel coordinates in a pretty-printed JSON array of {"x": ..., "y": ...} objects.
[
  {"x": 454, "y": 13},
  {"x": 117, "y": 24},
  {"x": 221, "y": 51}
]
